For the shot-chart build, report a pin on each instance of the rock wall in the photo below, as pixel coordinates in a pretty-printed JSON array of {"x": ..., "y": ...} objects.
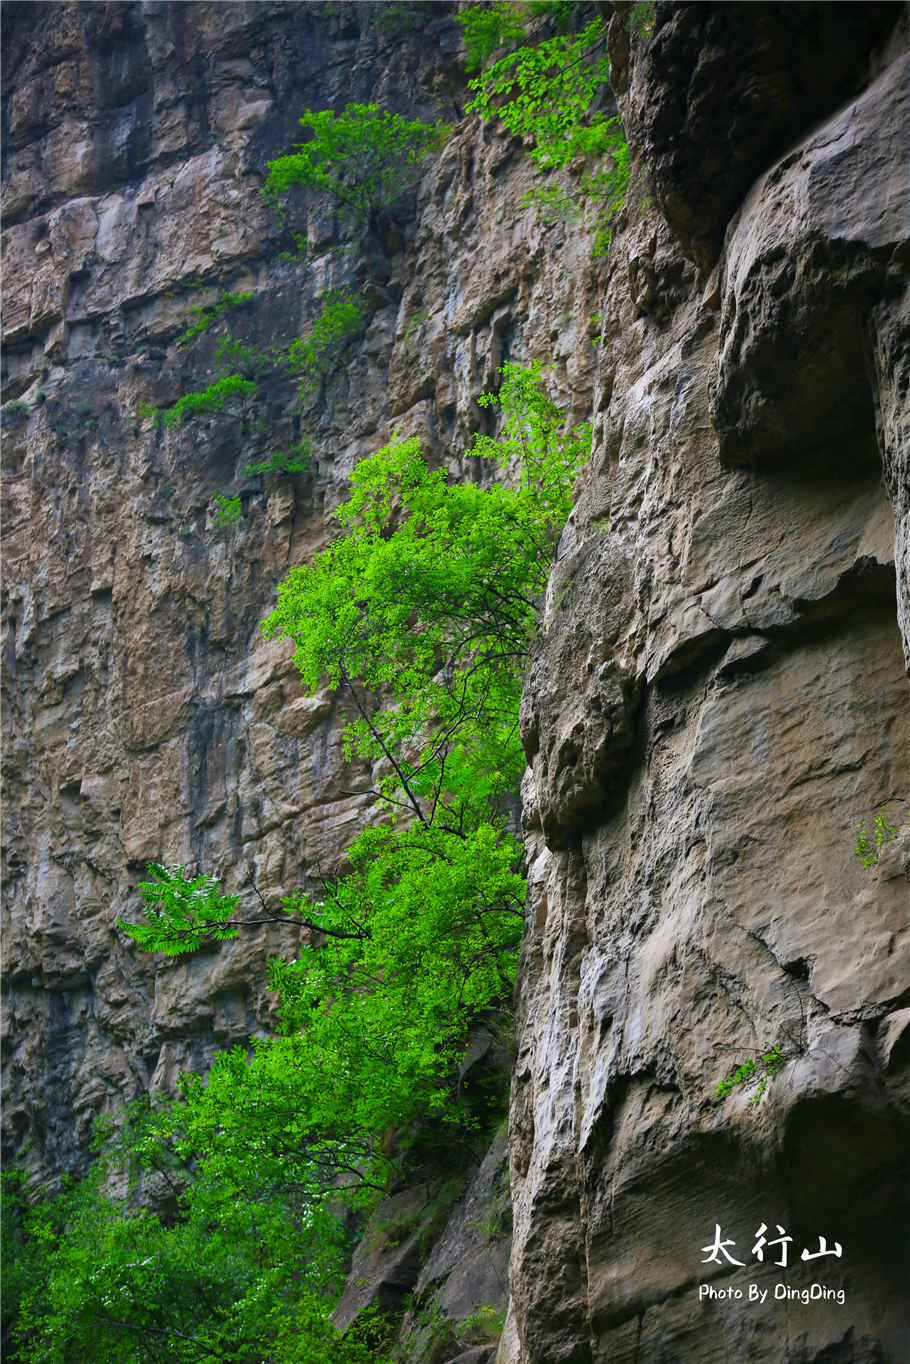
[
  {"x": 146, "y": 717},
  {"x": 719, "y": 696}
]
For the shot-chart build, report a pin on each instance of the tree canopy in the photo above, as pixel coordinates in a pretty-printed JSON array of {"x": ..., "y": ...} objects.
[
  {"x": 362, "y": 159},
  {"x": 422, "y": 611}
]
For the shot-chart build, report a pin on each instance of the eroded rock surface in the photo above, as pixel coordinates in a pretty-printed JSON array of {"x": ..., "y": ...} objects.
[
  {"x": 718, "y": 697},
  {"x": 739, "y": 553},
  {"x": 146, "y": 716}
]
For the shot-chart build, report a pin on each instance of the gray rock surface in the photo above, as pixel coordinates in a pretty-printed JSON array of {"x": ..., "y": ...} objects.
[
  {"x": 145, "y": 715},
  {"x": 723, "y": 89},
  {"x": 718, "y": 697},
  {"x": 439, "y": 1256},
  {"x": 695, "y": 897}
]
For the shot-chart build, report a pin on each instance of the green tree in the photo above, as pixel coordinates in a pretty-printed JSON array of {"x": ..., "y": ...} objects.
[
  {"x": 505, "y": 23},
  {"x": 549, "y": 92},
  {"x": 362, "y": 159},
  {"x": 488, "y": 27},
  {"x": 236, "y": 1274},
  {"x": 428, "y": 598}
]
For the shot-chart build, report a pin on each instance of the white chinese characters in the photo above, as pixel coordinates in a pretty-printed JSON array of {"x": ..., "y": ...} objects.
[{"x": 719, "y": 1246}]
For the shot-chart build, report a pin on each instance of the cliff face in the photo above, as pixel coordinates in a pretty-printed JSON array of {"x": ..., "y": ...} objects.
[
  {"x": 720, "y": 693},
  {"x": 146, "y": 716},
  {"x": 720, "y": 696}
]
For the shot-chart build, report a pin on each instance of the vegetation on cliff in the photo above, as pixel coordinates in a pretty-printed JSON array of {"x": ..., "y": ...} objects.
[
  {"x": 218, "y": 1226},
  {"x": 550, "y": 91},
  {"x": 362, "y": 159},
  {"x": 423, "y": 610}
]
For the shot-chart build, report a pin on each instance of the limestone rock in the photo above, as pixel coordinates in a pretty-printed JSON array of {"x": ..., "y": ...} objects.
[
  {"x": 721, "y": 90},
  {"x": 704, "y": 902},
  {"x": 145, "y": 715}
]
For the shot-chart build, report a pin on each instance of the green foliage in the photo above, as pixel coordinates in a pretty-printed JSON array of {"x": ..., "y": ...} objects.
[
  {"x": 868, "y": 845},
  {"x": 428, "y": 598},
  {"x": 484, "y": 1324},
  {"x": 20, "y": 1251},
  {"x": 443, "y": 611},
  {"x": 180, "y": 912},
  {"x": 294, "y": 461},
  {"x": 554, "y": 204},
  {"x": 229, "y": 510},
  {"x": 206, "y": 318},
  {"x": 415, "y": 322},
  {"x": 641, "y": 18},
  {"x": 505, "y": 23},
  {"x": 362, "y": 159},
  {"x": 244, "y": 366},
  {"x": 602, "y": 192},
  {"x": 535, "y": 439},
  {"x": 233, "y": 355},
  {"x": 397, "y": 1229},
  {"x": 395, "y": 17},
  {"x": 548, "y": 92},
  {"x": 341, "y": 318},
  {"x": 16, "y": 409},
  {"x": 240, "y": 1275},
  {"x": 484, "y": 29},
  {"x": 229, "y": 393},
  {"x": 754, "y": 1073},
  {"x": 559, "y": 11}
]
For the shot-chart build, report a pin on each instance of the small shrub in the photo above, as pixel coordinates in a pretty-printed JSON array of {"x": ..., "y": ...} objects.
[
  {"x": 868, "y": 846},
  {"x": 390, "y": 1234},
  {"x": 486, "y": 29},
  {"x": 498, "y": 1223},
  {"x": 754, "y": 1073},
  {"x": 396, "y": 17},
  {"x": 206, "y": 318},
  {"x": 483, "y": 1325},
  {"x": 17, "y": 409},
  {"x": 229, "y": 513},
  {"x": 341, "y": 318},
  {"x": 225, "y": 393},
  {"x": 641, "y": 19},
  {"x": 415, "y": 323},
  {"x": 295, "y": 461}
]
